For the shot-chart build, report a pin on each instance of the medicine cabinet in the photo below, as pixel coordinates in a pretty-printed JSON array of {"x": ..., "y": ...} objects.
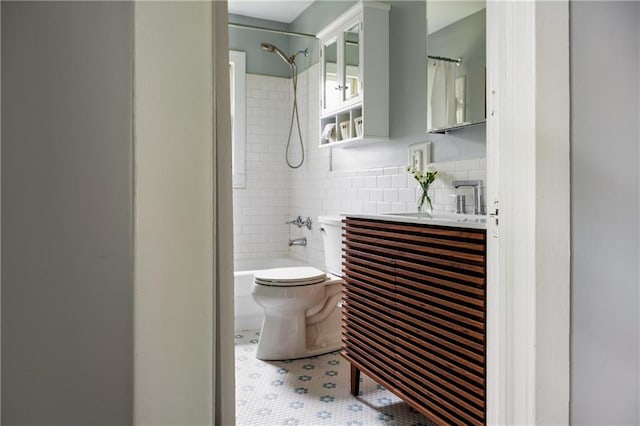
[{"x": 355, "y": 52}]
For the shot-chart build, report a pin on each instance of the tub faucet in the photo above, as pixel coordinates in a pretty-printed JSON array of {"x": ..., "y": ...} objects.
[
  {"x": 302, "y": 241},
  {"x": 300, "y": 223},
  {"x": 478, "y": 208}
]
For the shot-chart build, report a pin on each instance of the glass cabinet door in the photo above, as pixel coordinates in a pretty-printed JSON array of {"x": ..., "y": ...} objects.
[
  {"x": 331, "y": 90},
  {"x": 351, "y": 81}
]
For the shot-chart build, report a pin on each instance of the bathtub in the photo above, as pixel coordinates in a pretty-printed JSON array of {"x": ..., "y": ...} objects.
[{"x": 248, "y": 315}]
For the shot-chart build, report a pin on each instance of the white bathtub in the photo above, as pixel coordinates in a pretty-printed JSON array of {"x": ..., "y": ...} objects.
[{"x": 248, "y": 315}]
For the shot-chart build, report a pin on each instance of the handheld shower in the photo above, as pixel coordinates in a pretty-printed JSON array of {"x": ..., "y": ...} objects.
[
  {"x": 273, "y": 49},
  {"x": 291, "y": 61}
]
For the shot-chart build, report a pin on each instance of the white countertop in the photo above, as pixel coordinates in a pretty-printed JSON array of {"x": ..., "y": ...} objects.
[{"x": 436, "y": 219}]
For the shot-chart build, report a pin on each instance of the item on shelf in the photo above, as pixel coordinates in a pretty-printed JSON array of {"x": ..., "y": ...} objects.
[
  {"x": 329, "y": 132},
  {"x": 344, "y": 130},
  {"x": 358, "y": 125}
]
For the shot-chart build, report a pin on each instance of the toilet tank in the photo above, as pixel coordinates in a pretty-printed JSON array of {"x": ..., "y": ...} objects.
[{"x": 331, "y": 228}]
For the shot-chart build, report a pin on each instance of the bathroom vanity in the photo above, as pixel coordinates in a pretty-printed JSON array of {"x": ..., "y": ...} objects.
[{"x": 414, "y": 311}]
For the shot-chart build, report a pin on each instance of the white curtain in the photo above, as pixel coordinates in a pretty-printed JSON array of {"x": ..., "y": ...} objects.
[
  {"x": 431, "y": 74},
  {"x": 441, "y": 107}
]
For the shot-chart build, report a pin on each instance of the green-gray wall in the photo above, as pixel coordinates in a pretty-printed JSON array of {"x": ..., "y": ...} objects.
[
  {"x": 312, "y": 20},
  {"x": 260, "y": 61},
  {"x": 315, "y": 18},
  {"x": 408, "y": 90},
  {"x": 408, "y": 86}
]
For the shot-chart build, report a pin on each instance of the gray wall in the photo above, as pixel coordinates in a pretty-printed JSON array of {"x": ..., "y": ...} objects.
[
  {"x": 258, "y": 60},
  {"x": 408, "y": 101},
  {"x": 605, "y": 46},
  {"x": 315, "y": 18},
  {"x": 67, "y": 292},
  {"x": 408, "y": 88}
]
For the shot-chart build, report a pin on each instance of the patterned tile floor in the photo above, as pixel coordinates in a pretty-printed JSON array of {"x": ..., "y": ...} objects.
[{"x": 310, "y": 391}]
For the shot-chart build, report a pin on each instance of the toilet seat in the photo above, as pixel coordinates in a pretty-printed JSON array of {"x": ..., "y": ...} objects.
[{"x": 290, "y": 277}]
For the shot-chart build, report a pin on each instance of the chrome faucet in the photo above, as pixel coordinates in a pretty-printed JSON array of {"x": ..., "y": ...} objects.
[
  {"x": 300, "y": 223},
  {"x": 302, "y": 241},
  {"x": 478, "y": 207}
]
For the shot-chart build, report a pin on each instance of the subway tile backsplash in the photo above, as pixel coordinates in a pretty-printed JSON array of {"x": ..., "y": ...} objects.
[
  {"x": 351, "y": 193},
  {"x": 373, "y": 191}
]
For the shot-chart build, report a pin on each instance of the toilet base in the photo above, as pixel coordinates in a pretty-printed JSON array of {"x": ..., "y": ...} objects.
[{"x": 286, "y": 335}]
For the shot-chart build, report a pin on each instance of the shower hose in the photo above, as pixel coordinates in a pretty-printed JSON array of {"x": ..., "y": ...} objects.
[{"x": 294, "y": 113}]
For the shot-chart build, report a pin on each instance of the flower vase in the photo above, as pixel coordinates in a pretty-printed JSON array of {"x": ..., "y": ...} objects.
[
  {"x": 424, "y": 179},
  {"x": 424, "y": 203}
]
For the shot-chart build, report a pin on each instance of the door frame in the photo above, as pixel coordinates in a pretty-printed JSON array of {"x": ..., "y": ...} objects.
[{"x": 528, "y": 282}]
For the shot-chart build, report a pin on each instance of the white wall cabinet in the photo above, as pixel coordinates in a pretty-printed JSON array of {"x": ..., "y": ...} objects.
[{"x": 354, "y": 85}]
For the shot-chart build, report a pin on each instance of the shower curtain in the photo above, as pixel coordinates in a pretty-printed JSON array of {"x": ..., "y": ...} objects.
[{"x": 441, "y": 102}]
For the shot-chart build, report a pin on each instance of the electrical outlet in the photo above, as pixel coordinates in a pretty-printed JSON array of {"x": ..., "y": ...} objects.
[{"x": 419, "y": 155}]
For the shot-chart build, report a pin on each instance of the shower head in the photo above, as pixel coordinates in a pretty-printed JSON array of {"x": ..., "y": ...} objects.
[
  {"x": 273, "y": 49},
  {"x": 268, "y": 47}
]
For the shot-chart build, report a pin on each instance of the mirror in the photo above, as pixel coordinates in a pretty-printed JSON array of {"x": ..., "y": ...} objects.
[
  {"x": 331, "y": 94},
  {"x": 456, "y": 64},
  {"x": 352, "y": 62}
]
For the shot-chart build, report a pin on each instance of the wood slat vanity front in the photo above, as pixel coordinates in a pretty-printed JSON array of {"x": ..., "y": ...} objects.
[{"x": 414, "y": 314}]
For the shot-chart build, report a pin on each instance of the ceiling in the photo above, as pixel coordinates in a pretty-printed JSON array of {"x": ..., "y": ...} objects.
[
  {"x": 279, "y": 10},
  {"x": 441, "y": 13}
]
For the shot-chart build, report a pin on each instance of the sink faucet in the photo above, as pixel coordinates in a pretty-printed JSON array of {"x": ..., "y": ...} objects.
[{"x": 478, "y": 208}]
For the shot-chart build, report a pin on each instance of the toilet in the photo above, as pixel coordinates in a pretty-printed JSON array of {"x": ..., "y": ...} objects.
[{"x": 301, "y": 304}]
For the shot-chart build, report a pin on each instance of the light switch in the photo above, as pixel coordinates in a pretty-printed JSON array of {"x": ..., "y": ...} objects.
[
  {"x": 419, "y": 155},
  {"x": 416, "y": 159}
]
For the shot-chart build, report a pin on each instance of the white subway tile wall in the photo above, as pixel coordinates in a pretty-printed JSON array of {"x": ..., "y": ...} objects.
[
  {"x": 261, "y": 209},
  {"x": 314, "y": 190}
]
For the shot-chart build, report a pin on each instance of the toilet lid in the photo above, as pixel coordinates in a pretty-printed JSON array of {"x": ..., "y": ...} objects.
[{"x": 292, "y": 276}]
